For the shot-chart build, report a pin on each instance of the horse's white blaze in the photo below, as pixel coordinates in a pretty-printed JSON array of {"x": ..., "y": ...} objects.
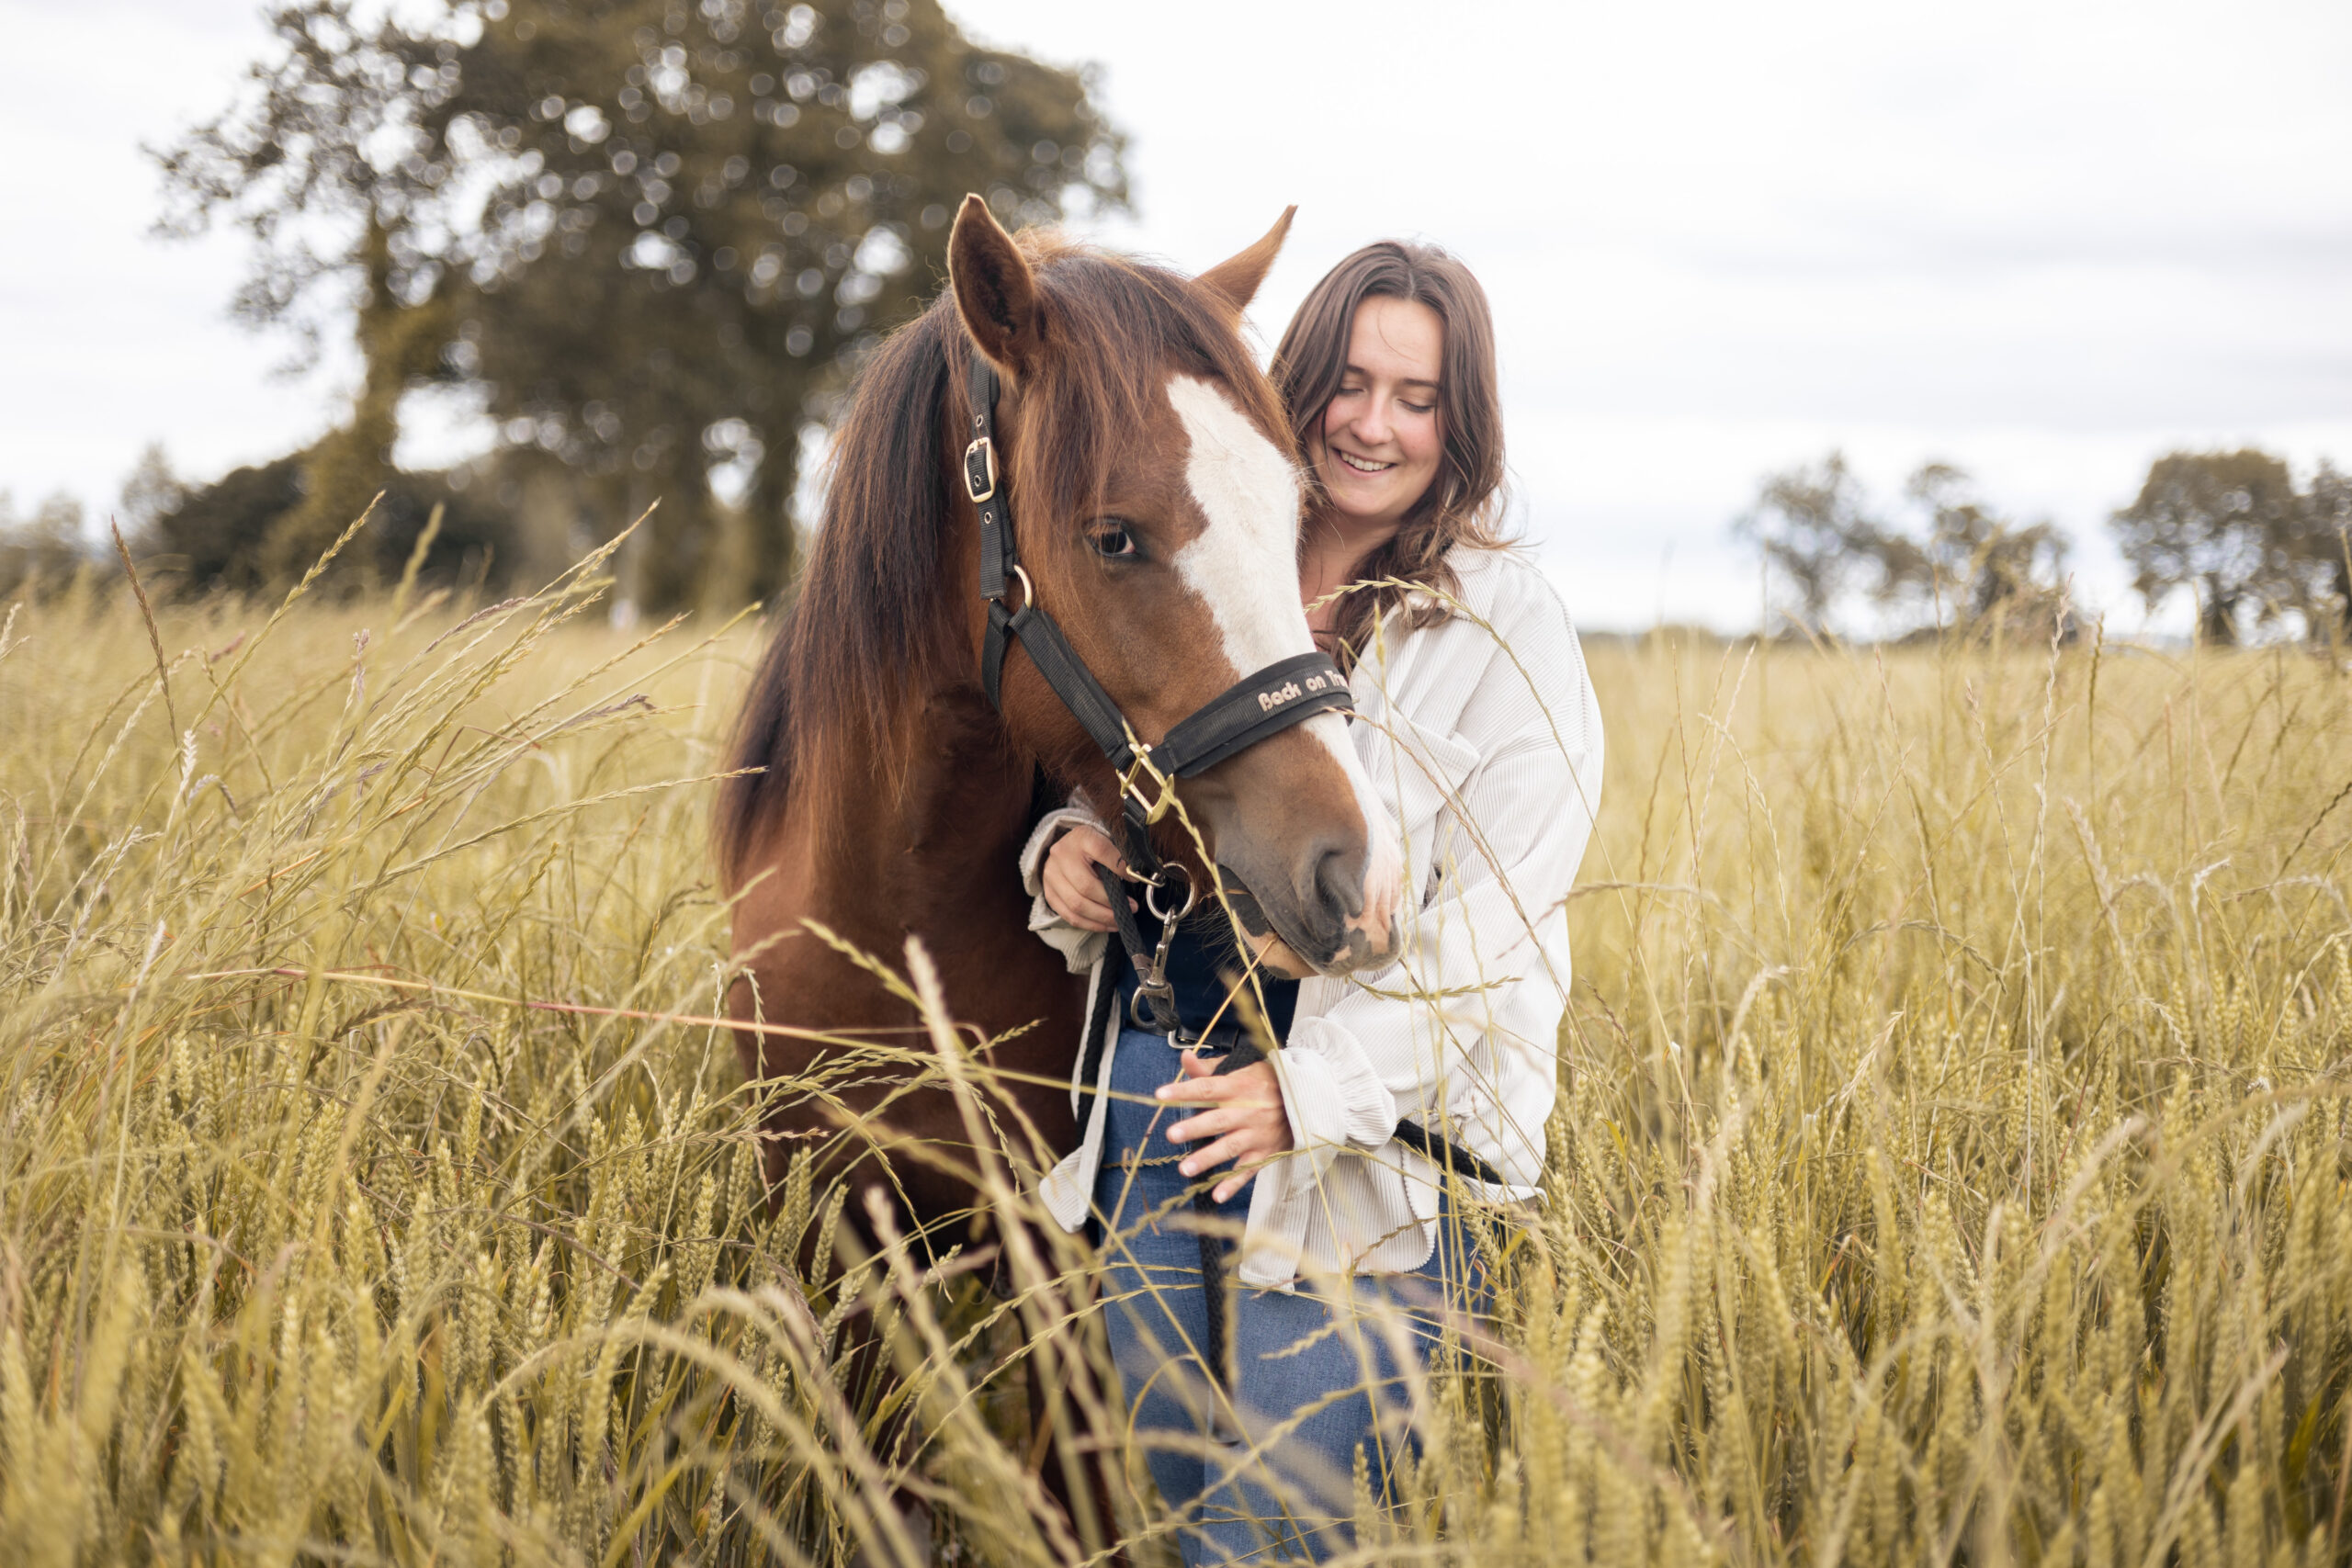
[{"x": 1245, "y": 566}]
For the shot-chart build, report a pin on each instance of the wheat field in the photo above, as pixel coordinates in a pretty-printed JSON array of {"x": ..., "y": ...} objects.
[{"x": 1950, "y": 1168}]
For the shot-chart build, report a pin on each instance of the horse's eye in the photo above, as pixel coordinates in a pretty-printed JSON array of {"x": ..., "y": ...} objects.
[{"x": 1114, "y": 540}]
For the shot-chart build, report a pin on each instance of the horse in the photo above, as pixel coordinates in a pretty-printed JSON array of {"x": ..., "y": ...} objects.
[{"x": 884, "y": 795}]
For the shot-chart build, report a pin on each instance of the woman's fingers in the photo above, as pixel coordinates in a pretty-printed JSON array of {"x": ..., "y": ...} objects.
[
  {"x": 1243, "y": 1169},
  {"x": 1244, "y": 1116},
  {"x": 1197, "y": 1091},
  {"x": 1072, "y": 888},
  {"x": 1076, "y": 896},
  {"x": 1233, "y": 1147},
  {"x": 1209, "y": 1124},
  {"x": 1083, "y": 850},
  {"x": 1074, "y": 905},
  {"x": 1203, "y": 1085},
  {"x": 1076, "y": 902},
  {"x": 1086, "y": 845}
]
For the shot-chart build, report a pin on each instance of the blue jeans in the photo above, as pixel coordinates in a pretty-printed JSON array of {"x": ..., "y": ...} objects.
[{"x": 1268, "y": 1474}]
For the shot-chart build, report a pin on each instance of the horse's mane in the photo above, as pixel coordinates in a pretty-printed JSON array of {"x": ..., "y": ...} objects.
[{"x": 876, "y": 622}]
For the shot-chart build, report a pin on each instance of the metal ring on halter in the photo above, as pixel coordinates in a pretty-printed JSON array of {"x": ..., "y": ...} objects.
[
  {"x": 1151, "y": 894},
  {"x": 1028, "y": 589}
]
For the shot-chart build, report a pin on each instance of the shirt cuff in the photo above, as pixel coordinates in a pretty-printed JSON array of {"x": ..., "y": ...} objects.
[
  {"x": 1081, "y": 949},
  {"x": 1333, "y": 1098}
]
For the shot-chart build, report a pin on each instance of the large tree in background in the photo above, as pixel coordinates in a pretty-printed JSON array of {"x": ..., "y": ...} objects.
[
  {"x": 1812, "y": 525},
  {"x": 2227, "y": 525},
  {"x": 647, "y": 230}
]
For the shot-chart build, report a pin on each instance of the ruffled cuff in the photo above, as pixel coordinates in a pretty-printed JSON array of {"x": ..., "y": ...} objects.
[
  {"x": 1334, "y": 1098},
  {"x": 1081, "y": 949}
]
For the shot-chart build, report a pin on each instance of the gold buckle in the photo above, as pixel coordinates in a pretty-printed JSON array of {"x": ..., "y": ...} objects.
[
  {"x": 985, "y": 450},
  {"x": 1143, "y": 766}
]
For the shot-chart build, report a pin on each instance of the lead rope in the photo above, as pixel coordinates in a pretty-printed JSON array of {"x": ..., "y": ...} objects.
[{"x": 1157, "y": 995}]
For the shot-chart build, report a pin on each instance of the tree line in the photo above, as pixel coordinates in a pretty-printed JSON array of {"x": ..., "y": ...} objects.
[
  {"x": 649, "y": 239},
  {"x": 2258, "y": 551},
  {"x": 646, "y": 238}
]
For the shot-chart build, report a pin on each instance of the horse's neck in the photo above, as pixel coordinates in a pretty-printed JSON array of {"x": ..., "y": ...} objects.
[{"x": 937, "y": 854}]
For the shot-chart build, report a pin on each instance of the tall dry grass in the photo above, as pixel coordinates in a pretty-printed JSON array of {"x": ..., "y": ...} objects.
[{"x": 1952, "y": 1166}]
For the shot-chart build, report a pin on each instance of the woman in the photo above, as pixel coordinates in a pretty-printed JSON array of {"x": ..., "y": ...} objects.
[{"x": 1478, "y": 723}]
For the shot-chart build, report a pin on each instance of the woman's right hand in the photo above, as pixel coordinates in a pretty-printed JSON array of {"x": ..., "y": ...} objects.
[{"x": 1072, "y": 889}]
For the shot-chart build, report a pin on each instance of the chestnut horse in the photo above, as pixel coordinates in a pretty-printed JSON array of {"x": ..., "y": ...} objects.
[{"x": 1146, "y": 458}]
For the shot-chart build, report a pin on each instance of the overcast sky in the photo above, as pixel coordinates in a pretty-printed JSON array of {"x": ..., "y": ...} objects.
[{"x": 2046, "y": 242}]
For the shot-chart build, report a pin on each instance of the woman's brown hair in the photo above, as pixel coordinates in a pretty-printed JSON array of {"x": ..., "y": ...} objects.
[{"x": 1464, "y": 503}]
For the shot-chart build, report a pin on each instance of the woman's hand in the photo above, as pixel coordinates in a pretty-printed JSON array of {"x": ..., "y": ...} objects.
[
  {"x": 1245, "y": 1116},
  {"x": 1072, "y": 889}
]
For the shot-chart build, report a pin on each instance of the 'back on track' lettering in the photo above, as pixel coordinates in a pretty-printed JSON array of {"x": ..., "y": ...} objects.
[{"x": 1268, "y": 701}]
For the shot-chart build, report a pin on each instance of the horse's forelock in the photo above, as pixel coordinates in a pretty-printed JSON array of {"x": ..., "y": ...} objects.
[{"x": 1119, "y": 329}]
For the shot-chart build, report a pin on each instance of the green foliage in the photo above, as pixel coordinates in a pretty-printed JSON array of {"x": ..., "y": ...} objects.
[
  {"x": 150, "y": 491},
  {"x": 206, "y": 541},
  {"x": 647, "y": 232},
  {"x": 1950, "y": 1165},
  {"x": 1970, "y": 566},
  {"x": 2234, "y": 528}
]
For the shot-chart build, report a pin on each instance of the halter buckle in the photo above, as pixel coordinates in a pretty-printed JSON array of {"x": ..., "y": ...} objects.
[
  {"x": 1140, "y": 767},
  {"x": 979, "y": 470}
]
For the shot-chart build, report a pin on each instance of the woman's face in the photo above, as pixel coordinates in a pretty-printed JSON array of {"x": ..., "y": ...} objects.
[{"x": 1381, "y": 435}]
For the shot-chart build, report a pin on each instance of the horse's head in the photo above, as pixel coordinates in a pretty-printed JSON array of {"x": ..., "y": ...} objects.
[{"x": 1157, "y": 507}]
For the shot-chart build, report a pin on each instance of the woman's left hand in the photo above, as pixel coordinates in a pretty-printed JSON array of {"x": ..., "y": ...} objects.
[{"x": 1244, "y": 1115}]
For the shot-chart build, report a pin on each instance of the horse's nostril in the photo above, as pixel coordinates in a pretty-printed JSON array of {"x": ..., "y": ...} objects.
[{"x": 1339, "y": 882}]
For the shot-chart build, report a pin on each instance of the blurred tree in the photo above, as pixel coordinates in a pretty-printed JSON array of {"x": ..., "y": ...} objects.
[
  {"x": 2227, "y": 525},
  {"x": 655, "y": 226},
  {"x": 41, "y": 552},
  {"x": 1968, "y": 566},
  {"x": 2323, "y": 553},
  {"x": 211, "y": 534},
  {"x": 1960, "y": 564},
  {"x": 148, "y": 491},
  {"x": 400, "y": 345},
  {"x": 1812, "y": 525}
]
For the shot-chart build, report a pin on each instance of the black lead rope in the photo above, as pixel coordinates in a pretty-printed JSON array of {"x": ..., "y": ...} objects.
[
  {"x": 1253, "y": 708},
  {"x": 1236, "y": 1048}
]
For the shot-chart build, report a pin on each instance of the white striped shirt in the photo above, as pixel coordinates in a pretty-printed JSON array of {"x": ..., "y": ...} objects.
[{"x": 1483, "y": 739}]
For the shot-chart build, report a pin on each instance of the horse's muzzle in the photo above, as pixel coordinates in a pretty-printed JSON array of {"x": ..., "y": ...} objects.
[{"x": 1343, "y": 920}]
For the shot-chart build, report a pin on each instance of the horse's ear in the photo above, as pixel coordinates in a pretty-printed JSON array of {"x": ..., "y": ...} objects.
[
  {"x": 995, "y": 291},
  {"x": 1236, "y": 278}
]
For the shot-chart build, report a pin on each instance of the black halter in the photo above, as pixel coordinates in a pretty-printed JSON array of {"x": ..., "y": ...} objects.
[
  {"x": 1251, "y": 709},
  {"x": 1284, "y": 693}
]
